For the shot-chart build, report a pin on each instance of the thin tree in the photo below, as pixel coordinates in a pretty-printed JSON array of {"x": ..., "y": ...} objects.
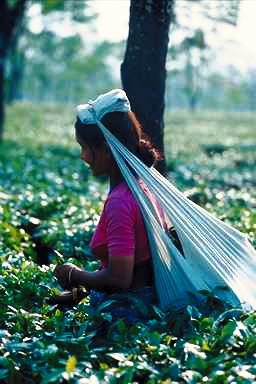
[
  {"x": 10, "y": 17},
  {"x": 143, "y": 71}
]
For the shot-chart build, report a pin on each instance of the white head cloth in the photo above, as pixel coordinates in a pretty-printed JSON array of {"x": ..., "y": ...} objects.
[{"x": 113, "y": 101}]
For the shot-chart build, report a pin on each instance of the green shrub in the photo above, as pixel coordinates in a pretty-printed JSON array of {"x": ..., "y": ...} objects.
[{"x": 49, "y": 206}]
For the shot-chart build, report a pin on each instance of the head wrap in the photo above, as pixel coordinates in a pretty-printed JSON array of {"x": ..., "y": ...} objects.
[{"x": 113, "y": 101}]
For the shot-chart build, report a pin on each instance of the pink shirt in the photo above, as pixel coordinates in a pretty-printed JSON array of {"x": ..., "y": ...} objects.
[{"x": 121, "y": 228}]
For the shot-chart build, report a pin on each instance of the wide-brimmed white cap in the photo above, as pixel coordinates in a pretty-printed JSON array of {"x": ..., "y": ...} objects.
[{"x": 113, "y": 101}]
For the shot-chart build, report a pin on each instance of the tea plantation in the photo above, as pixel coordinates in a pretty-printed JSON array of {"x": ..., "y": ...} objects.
[{"x": 49, "y": 206}]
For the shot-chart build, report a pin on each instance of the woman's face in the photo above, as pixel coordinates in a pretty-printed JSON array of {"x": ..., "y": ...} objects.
[{"x": 98, "y": 158}]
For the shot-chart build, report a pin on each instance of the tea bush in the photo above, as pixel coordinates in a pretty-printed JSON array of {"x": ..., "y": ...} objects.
[{"x": 49, "y": 206}]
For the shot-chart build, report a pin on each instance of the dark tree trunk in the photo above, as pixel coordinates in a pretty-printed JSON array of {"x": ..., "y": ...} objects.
[
  {"x": 17, "y": 67},
  {"x": 143, "y": 70},
  {"x": 9, "y": 19},
  {"x": 1, "y": 98}
]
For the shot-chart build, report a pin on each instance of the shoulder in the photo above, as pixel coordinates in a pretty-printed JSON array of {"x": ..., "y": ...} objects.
[
  {"x": 121, "y": 200},
  {"x": 121, "y": 193}
]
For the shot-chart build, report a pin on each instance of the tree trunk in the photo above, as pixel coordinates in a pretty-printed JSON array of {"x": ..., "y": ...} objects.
[
  {"x": 9, "y": 19},
  {"x": 143, "y": 70},
  {"x": 17, "y": 67},
  {"x": 1, "y": 98}
]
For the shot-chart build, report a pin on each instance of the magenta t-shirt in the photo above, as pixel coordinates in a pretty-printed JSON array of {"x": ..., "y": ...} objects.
[{"x": 121, "y": 228}]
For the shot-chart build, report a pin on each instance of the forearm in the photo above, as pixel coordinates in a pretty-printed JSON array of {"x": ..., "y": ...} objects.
[{"x": 98, "y": 280}]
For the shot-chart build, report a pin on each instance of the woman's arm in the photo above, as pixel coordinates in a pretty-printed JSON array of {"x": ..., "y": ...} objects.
[
  {"x": 117, "y": 275},
  {"x": 116, "y": 234}
]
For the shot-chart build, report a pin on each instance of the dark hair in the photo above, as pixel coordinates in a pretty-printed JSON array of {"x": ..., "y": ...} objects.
[{"x": 126, "y": 128}]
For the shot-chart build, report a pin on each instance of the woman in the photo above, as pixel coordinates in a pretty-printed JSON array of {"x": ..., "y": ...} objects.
[{"x": 120, "y": 240}]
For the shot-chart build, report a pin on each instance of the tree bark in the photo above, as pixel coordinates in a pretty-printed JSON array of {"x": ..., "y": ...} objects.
[
  {"x": 17, "y": 67},
  {"x": 143, "y": 71},
  {"x": 1, "y": 99},
  {"x": 9, "y": 19}
]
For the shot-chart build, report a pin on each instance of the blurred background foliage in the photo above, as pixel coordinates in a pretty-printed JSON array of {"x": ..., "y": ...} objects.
[{"x": 54, "y": 65}]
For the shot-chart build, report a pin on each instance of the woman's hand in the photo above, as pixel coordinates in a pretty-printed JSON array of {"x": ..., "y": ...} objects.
[{"x": 63, "y": 273}]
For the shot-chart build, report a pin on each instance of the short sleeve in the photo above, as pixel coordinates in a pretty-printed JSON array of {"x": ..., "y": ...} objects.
[{"x": 120, "y": 227}]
